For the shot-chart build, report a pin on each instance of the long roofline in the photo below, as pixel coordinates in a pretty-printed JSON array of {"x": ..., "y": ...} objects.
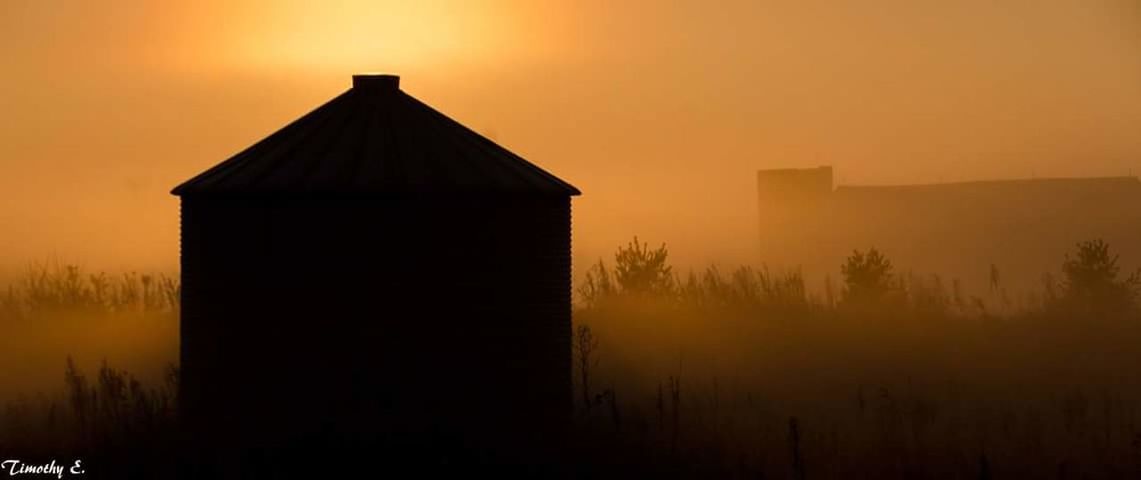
[{"x": 997, "y": 182}]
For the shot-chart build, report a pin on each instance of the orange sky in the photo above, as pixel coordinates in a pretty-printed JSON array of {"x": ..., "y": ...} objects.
[{"x": 659, "y": 111}]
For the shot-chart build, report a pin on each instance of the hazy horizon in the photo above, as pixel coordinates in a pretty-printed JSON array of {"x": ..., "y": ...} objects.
[{"x": 660, "y": 114}]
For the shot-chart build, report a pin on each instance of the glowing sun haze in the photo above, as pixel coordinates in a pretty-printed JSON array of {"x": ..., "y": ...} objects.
[{"x": 658, "y": 111}]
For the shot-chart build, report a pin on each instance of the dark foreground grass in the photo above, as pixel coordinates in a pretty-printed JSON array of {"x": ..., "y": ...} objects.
[{"x": 739, "y": 375}]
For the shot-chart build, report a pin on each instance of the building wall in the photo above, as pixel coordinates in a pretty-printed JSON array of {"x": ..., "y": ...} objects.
[
  {"x": 360, "y": 316},
  {"x": 784, "y": 190},
  {"x": 790, "y": 203}
]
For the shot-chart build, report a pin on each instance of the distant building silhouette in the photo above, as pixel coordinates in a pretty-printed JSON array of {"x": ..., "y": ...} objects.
[
  {"x": 792, "y": 191},
  {"x": 374, "y": 269},
  {"x": 966, "y": 230}
]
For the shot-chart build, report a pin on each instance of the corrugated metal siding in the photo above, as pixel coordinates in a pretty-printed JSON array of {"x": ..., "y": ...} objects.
[{"x": 303, "y": 315}]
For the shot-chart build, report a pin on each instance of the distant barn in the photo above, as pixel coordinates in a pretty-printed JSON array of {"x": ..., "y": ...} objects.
[
  {"x": 961, "y": 231},
  {"x": 374, "y": 267}
]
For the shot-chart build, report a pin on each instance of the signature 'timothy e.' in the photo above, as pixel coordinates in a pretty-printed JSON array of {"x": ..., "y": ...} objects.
[{"x": 18, "y": 467}]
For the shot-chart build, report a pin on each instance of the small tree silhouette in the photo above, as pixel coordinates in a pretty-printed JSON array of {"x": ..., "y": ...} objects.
[
  {"x": 597, "y": 285},
  {"x": 641, "y": 270},
  {"x": 867, "y": 277},
  {"x": 1090, "y": 279},
  {"x": 585, "y": 356}
]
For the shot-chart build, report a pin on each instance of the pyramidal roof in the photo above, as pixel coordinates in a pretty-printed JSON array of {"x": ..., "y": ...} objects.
[{"x": 374, "y": 139}]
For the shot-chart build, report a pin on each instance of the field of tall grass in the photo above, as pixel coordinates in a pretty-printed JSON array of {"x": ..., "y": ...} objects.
[
  {"x": 745, "y": 373},
  {"x": 67, "y": 341}
]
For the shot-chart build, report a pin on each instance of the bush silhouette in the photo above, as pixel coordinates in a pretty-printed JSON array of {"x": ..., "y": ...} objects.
[
  {"x": 641, "y": 270},
  {"x": 867, "y": 277},
  {"x": 596, "y": 285},
  {"x": 1091, "y": 279}
]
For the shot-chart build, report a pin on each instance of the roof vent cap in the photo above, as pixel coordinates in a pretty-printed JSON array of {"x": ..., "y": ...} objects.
[{"x": 376, "y": 82}]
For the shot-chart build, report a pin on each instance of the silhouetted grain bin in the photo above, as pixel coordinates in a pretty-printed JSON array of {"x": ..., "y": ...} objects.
[{"x": 372, "y": 267}]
